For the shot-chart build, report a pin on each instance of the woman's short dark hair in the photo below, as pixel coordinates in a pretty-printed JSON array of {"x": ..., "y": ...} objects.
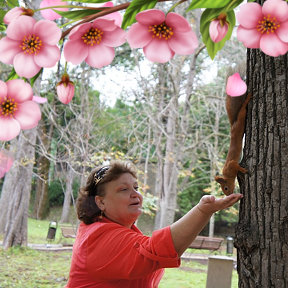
[{"x": 87, "y": 209}]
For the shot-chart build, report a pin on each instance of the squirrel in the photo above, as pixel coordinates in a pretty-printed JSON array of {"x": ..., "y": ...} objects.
[{"x": 236, "y": 111}]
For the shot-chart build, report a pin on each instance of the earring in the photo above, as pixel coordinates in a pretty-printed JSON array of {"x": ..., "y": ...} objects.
[{"x": 101, "y": 215}]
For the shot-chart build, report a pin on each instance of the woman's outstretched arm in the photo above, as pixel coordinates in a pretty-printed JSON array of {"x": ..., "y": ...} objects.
[{"x": 185, "y": 230}]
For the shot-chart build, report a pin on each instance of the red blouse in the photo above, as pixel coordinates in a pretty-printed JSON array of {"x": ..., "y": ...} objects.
[{"x": 106, "y": 254}]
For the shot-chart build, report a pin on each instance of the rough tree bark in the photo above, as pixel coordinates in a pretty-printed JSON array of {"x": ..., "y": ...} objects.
[
  {"x": 6, "y": 189},
  {"x": 262, "y": 232},
  {"x": 15, "y": 232},
  {"x": 41, "y": 204}
]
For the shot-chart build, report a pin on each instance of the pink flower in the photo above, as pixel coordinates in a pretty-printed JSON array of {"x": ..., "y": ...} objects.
[
  {"x": 15, "y": 13},
  {"x": 235, "y": 86},
  {"x": 49, "y": 14},
  {"x": 264, "y": 27},
  {"x": 218, "y": 28},
  {"x": 65, "y": 89},
  {"x": 93, "y": 43},
  {"x": 116, "y": 16},
  {"x": 17, "y": 108},
  {"x": 30, "y": 45},
  {"x": 162, "y": 36},
  {"x": 6, "y": 162}
]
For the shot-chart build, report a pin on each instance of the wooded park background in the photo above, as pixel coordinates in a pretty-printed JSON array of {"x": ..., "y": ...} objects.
[{"x": 172, "y": 124}]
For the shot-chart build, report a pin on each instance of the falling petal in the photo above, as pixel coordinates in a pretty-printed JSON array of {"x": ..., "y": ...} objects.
[{"x": 235, "y": 86}]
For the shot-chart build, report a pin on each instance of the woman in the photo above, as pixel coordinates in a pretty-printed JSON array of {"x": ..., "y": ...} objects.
[{"x": 110, "y": 251}]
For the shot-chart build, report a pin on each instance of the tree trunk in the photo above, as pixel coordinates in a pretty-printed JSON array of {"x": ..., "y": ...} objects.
[
  {"x": 41, "y": 204},
  {"x": 68, "y": 194},
  {"x": 168, "y": 200},
  {"x": 262, "y": 232},
  {"x": 15, "y": 232},
  {"x": 6, "y": 189}
]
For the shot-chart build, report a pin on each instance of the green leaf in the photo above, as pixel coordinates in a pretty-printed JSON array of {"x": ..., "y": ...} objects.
[
  {"x": 2, "y": 27},
  {"x": 207, "y": 16},
  {"x": 76, "y": 14},
  {"x": 215, "y": 4},
  {"x": 208, "y": 4},
  {"x": 12, "y": 3},
  {"x": 2, "y": 14},
  {"x": 33, "y": 79},
  {"x": 134, "y": 8},
  {"x": 12, "y": 75}
]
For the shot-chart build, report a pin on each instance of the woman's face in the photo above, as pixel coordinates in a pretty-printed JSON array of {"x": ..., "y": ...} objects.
[{"x": 122, "y": 202}]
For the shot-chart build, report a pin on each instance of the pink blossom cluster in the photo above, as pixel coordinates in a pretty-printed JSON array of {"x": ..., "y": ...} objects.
[
  {"x": 264, "y": 27},
  {"x": 30, "y": 45},
  {"x": 35, "y": 43},
  {"x": 18, "y": 108}
]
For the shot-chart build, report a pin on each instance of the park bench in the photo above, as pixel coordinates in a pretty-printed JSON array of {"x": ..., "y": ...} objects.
[
  {"x": 208, "y": 243},
  {"x": 68, "y": 231}
]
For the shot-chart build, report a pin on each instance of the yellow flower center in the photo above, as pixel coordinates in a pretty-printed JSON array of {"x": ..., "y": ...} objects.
[
  {"x": 161, "y": 31},
  {"x": 31, "y": 44},
  {"x": 268, "y": 25},
  {"x": 92, "y": 37},
  {"x": 8, "y": 107}
]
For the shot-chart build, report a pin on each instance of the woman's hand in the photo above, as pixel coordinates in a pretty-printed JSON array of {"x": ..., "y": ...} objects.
[
  {"x": 210, "y": 204},
  {"x": 190, "y": 225}
]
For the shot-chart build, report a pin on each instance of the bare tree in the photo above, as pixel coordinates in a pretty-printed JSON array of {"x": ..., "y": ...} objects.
[{"x": 19, "y": 187}]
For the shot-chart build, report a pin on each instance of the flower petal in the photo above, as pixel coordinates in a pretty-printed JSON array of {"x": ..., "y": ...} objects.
[
  {"x": 271, "y": 45},
  {"x": 19, "y": 90},
  {"x": 25, "y": 65},
  {"x": 75, "y": 51},
  {"x": 12, "y": 14},
  {"x": 48, "y": 56},
  {"x": 104, "y": 24},
  {"x": 39, "y": 100},
  {"x": 276, "y": 8},
  {"x": 3, "y": 90},
  {"x": 138, "y": 36},
  {"x": 49, "y": 14},
  {"x": 150, "y": 17},
  {"x": 177, "y": 22},
  {"x": 183, "y": 43},
  {"x": 158, "y": 51},
  {"x": 100, "y": 56},
  {"x": 6, "y": 160},
  {"x": 48, "y": 31},
  {"x": 28, "y": 115},
  {"x": 116, "y": 16},
  {"x": 282, "y": 32},
  {"x": 114, "y": 38},
  {"x": 235, "y": 86},
  {"x": 2, "y": 173},
  {"x": 21, "y": 26},
  {"x": 10, "y": 128},
  {"x": 249, "y": 37},
  {"x": 78, "y": 31},
  {"x": 249, "y": 15},
  {"x": 8, "y": 49}
]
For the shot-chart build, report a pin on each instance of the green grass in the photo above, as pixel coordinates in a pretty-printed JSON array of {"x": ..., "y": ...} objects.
[
  {"x": 28, "y": 268},
  {"x": 38, "y": 230},
  {"x": 189, "y": 275}
]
